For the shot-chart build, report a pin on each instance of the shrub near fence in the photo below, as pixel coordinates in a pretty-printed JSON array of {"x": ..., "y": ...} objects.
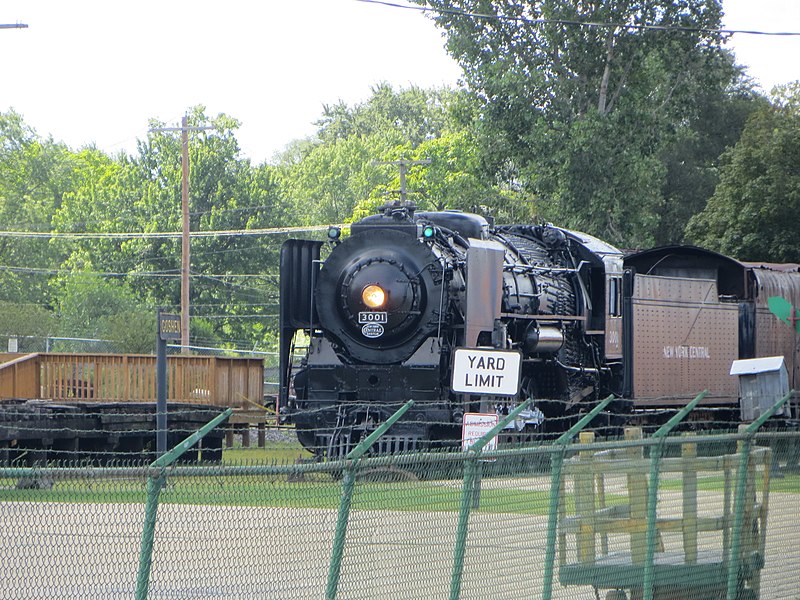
[{"x": 449, "y": 525}]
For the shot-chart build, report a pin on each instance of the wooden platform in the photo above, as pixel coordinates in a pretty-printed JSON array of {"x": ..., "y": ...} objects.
[
  {"x": 670, "y": 570},
  {"x": 605, "y": 545}
]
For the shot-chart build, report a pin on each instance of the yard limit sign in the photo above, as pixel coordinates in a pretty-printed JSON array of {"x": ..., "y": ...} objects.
[
  {"x": 169, "y": 328},
  {"x": 489, "y": 372}
]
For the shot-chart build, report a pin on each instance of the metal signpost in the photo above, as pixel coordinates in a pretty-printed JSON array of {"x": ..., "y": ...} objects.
[{"x": 169, "y": 328}]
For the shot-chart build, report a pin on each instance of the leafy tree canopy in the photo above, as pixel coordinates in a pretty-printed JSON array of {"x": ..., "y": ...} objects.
[
  {"x": 341, "y": 176},
  {"x": 753, "y": 212},
  {"x": 583, "y": 103}
]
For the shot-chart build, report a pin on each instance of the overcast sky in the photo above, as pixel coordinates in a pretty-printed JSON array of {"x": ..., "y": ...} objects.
[{"x": 92, "y": 71}]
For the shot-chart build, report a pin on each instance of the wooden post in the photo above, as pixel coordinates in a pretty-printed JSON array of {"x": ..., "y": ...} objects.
[
  {"x": 584, "y": 502},
  {"x": 637, "y": 492},
  {"x": 262, "y": 434},
  {"x": 689, "y": 456}
]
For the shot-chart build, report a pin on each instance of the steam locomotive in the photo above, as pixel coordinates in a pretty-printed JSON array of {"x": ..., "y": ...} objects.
[{"x": 464, "y": 316}]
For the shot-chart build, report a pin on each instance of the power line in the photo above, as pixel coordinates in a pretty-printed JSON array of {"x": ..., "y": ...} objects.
[
  {"x": 589, "y": 24},
  {"x": 162, "y": 234},
  {"x": 170, "y": 273}
]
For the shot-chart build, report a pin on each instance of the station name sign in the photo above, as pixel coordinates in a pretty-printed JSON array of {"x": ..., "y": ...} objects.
[
  {"x": 169, "y": 326},
  {"x": 485, "y": 371}
]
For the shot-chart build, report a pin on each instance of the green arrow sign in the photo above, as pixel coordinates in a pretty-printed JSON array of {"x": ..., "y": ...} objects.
[{"x": 782, "y": 308}]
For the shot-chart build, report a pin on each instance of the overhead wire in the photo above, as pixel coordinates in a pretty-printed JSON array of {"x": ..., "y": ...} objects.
[
  {"x": 571, "y": 22},
  {"x": 163, "y": 234}
]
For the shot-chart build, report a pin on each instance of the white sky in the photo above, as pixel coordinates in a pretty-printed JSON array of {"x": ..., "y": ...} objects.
[{"x": 95, "y": 71}]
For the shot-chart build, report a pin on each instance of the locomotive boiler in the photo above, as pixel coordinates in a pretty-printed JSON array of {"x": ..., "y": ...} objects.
[{"x": 378, "y": 317}]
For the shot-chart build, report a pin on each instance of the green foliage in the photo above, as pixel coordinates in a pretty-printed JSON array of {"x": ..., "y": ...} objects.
[
  {"x": 109, "y": 287},
  {"x": 25, "y": 320},
  {"x": 331, "y": 178},
  {"x": 753, "y": 212},
  {"x": 591, "y": 120},
  {"x": 35, "y": 174},
  {"x": 339, "y": 177},
  {"x": 410, "y": 116}
]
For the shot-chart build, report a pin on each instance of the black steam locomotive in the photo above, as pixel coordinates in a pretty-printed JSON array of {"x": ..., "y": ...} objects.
[{"x": 463, "y": 316}]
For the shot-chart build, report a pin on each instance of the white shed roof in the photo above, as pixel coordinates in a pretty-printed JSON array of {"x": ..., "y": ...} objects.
[{"x": 751, "y": 366}]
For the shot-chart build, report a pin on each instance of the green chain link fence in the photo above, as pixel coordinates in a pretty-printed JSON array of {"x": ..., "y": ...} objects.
[{"x": 668, "y": 516}]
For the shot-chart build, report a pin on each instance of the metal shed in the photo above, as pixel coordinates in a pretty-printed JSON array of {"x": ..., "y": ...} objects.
[{"x": 762, "y": 382}]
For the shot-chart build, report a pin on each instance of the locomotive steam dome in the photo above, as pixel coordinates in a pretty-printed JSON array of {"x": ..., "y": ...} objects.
[{"x": 381, "y": 292}]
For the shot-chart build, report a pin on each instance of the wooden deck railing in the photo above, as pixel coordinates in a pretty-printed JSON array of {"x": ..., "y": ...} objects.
[{"x": 215, "y": 381}]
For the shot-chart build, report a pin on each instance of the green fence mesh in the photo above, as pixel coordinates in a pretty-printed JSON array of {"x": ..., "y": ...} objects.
[{"x": 260, "y": 525}]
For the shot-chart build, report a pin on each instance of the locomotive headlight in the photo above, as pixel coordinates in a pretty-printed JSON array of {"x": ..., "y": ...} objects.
[{"x": 373, "y": 296}]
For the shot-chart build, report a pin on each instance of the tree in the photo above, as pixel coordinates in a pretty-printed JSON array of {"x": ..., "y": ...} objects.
[
  {"x": 582, "y": 102},
  {"x": 35, "y": 175},
  {"x": 142, "y": 194},
  {"x": 338, "y": 177},
  {"x": 25, "y": 321},
  {"x": 753, "y": 213},
  {"x": 412, "y": 114}
]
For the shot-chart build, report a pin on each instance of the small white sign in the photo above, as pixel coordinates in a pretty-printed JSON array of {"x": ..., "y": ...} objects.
[
  {"x": 486, "y": 372},
  {"x": 475, "y": 426}
]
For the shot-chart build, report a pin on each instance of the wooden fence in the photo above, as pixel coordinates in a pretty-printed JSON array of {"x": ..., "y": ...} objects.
[{"x": 215, "y": 381}]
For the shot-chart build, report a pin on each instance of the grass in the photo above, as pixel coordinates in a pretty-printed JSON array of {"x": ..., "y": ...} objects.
[
  {"x": 316, "y": 491},
  {"x": 276, "y": 452},
  {"x": 716, "y": 483},
  {"x": 323, "y": 491}
]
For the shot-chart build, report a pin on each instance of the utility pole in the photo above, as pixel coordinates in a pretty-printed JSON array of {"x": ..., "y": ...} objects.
[
  {"x": 185, "y": 251},
  {"x": 404, "y": 165}
]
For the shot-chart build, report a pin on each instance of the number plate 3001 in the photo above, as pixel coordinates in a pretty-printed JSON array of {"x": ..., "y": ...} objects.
[{"x": 372, "y": 317}]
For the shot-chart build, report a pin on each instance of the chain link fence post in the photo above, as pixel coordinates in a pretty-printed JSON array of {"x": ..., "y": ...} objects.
[
  {"x": 154, "y": 486},
  {"x": 348, "y": 486},
  {"x": 468, "y": 493},
  {"x": 556, "y": 463},
  {"x": 741, "y": 488}
]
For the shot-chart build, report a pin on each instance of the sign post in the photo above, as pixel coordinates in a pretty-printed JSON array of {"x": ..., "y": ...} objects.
[{"x": 169, "y": 328}]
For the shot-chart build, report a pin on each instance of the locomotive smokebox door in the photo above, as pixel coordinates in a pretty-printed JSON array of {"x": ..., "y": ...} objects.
[{"x": 762, "y": 382}]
